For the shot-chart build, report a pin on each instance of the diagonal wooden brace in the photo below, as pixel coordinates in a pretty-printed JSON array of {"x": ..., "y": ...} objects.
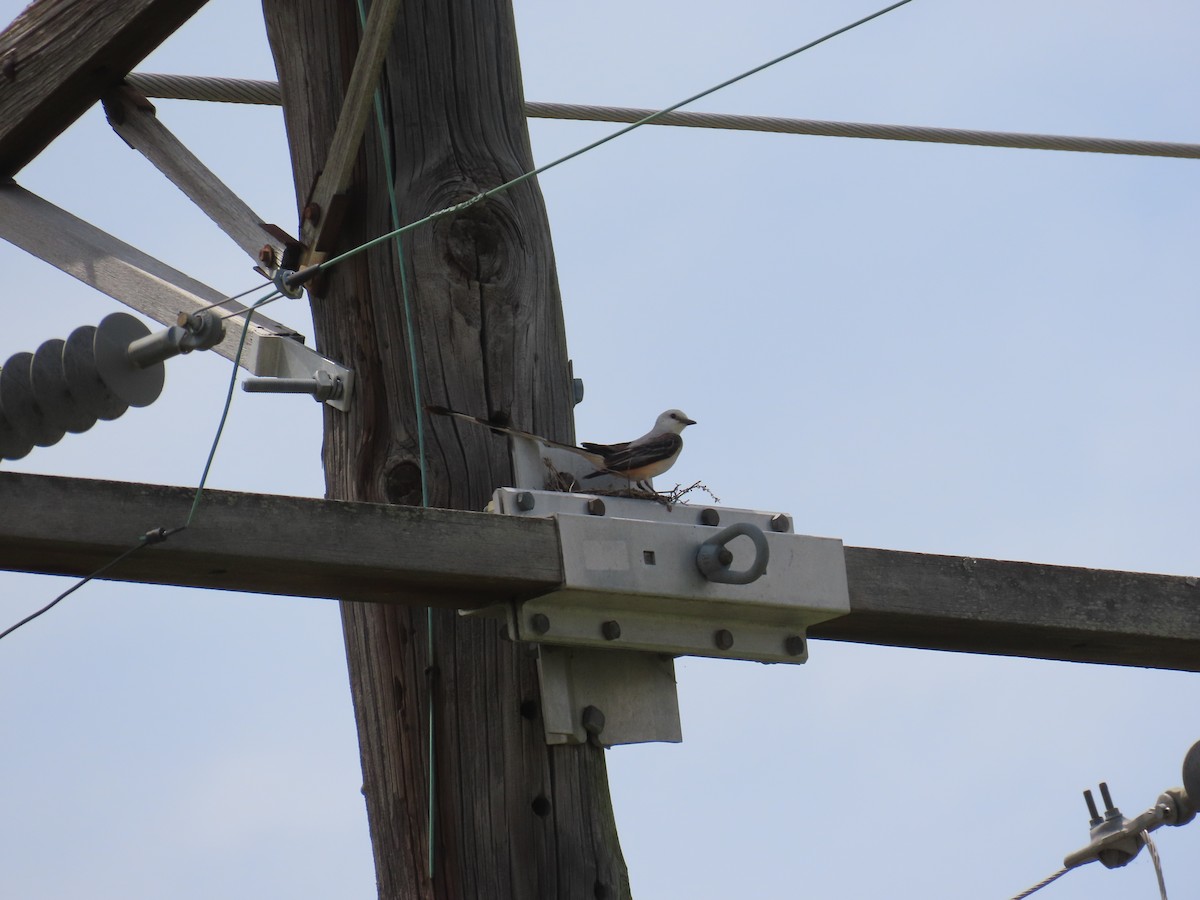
[
  {"x": 133, "y": 118},
  {"x": 326, "y": 205}
]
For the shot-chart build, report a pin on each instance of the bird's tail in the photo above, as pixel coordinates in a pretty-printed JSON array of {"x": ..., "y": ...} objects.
[{"x": 593, "y": 458}]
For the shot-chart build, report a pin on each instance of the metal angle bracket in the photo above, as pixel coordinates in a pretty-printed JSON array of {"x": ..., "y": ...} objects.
[
  {"x": 645, "y": 582},
  {"x": 291, "y": 359}
]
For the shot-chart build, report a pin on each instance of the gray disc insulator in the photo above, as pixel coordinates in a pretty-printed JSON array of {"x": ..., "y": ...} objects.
[
  {"x": 20, "y": 408},
  {"x": 52, "y": 391},
  {"x": 12, "y": 445},
  {"x": 133, "y": 385},
  {"x": 83, "y": 377}
]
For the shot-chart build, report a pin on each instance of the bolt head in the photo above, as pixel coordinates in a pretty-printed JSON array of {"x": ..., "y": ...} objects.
[
  {"x": 611, "y": 630},
  {"x": 593, "y": 720},
  {"x": 725, "y": 556},
  {"x": 595, "y": 507},
  {"x": 540, "y": 623},
  {"x": 723, "y": 639},
  {"x": 793, "y": 645},
  {"x": 710, "y": 517},
  {"x": 526, "y": 501},
  {"x": 780, "y": 522}
]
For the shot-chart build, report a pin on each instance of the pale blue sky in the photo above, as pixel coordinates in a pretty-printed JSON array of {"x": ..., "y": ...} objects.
[{"x": 943, "y": 349}]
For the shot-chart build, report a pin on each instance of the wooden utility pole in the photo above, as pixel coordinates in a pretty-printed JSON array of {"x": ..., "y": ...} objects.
[{"x": 512, "y": 816}]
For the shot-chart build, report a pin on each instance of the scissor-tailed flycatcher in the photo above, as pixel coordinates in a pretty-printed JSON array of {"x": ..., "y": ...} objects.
[
  {"x": 638, "y": 460},
  {"x": 652, "y": 454}
]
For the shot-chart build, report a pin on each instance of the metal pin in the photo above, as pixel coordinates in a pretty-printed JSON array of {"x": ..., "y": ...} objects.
[{"x": 321, "y": 387}]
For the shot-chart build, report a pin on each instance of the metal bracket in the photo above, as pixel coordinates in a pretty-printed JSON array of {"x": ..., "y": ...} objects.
[
  {"x": 637, "y": 562},
  {"x": 643, "y": 582},
  {"x": 634, "y": 694}
]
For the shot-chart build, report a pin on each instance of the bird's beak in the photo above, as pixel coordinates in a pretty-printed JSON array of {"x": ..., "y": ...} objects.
[{"x": 689, "y": 421}]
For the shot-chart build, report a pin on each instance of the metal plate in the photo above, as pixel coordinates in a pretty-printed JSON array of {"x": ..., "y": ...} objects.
[
  {"x": 50, "y": 389},
  {"x": 641, "y": 573},
  {"x": 635, "y": 692}
]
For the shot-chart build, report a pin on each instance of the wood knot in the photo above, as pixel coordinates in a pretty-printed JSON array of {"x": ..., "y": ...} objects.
[
  {"x": 402, "y": 482},
  {"x": 478, "y": 242}
]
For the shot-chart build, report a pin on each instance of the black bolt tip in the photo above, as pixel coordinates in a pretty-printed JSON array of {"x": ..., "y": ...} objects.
[
  {"x": 611, "y": 630},
  {"x": 540, "y": 622},
  {"x": 723, "y": 639}
]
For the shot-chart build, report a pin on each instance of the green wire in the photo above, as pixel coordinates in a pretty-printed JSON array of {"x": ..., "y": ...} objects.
[
  {"x": 399, "y": 230},
  {"x": 237, "y": 359},
  {"x": 409, "y": 334},
  {"x": 491, "y": 192}
]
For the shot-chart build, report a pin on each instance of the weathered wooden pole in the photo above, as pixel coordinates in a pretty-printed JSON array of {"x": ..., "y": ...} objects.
[{"x": 513, "y": 817}]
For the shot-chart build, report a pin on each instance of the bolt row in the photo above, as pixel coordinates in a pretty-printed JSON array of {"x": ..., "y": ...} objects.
[{"x": 610, "y": 630}]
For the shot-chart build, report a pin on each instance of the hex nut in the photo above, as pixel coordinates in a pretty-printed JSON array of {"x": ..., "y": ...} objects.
[
  {"x": 525, "y": 501},
  {"x": 780, "y": 522},
  {"x": 710, "y": 517},
  {"x": 723, "y": 639},
  {"x": 611, "y": 630},
  {"x": 793, "y": 645},
  {"x": 540, "y": 623},
  {"x": 595, "y": 507}
]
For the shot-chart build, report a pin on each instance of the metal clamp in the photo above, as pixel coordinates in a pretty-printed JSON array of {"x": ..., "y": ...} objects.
[
  {"x": 286, "y": 284},
  {"x": 1117, "y": 840},
  {"x": 713, "y": 558}
]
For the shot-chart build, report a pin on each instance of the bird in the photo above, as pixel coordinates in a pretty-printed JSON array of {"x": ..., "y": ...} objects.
[
  {"x": 637, "y": 461},
  {"x": 643, "y": 458}
]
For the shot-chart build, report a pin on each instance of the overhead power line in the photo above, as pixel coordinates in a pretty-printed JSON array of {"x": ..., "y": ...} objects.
[{"x": 266, "y": 93}]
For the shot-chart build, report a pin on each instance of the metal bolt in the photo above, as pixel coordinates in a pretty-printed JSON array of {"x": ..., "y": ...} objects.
[
  {"x": 540, "y": 623},
  {"x": 723, "y": 639},
  {"x": 525, "y": 501},
  {"x": 611, "y": 630},
  {"x": 710, "y": 517},
  {"x": 595, "y": 506},
  {"x": 725, "y": 556},
  {"x": 593, "y": 720},
  {"x": 793, "y": 645},
  {"x": 780, "y": 522}
]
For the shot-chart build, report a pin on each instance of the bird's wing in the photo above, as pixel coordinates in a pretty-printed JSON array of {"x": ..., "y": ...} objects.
[
  {"x": 643, "y": 453},
  {"x": 603, "y": 449},
  {"x": 504, "y": 429}
]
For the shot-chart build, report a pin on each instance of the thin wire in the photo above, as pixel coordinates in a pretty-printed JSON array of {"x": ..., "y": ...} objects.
[
  {"x": 158, "y": 535},
  {"x": 398, "y": 231},
  {"x": 237, "y": 359},
  {"x": 520, "y": 179},
  {"x": 409, "y": 333},
  {"x": 73, "y": 588},
  {"x": 1162, "y": 885},
  {"x": 1041, "y": 884},
  {"x": 224, "y": 300},
  {"x": 270, "y": 298}
]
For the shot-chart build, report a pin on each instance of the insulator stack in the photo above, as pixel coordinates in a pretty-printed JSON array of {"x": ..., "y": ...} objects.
[{"x": 96, "y": 373}]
